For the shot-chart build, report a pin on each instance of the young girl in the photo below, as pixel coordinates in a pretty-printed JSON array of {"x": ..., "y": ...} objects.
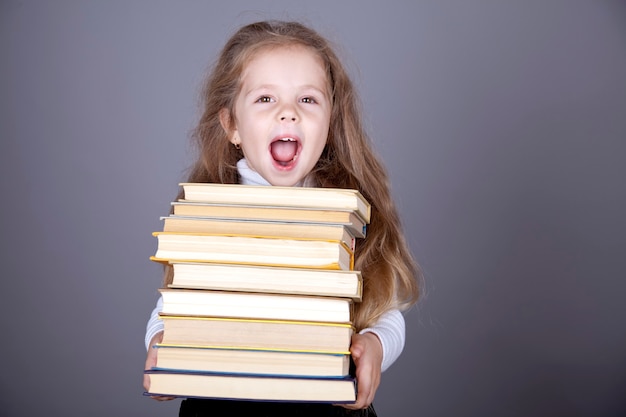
[{"x": 280, "y": 109}]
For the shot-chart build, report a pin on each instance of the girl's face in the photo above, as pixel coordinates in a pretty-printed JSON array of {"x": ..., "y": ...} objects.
[{"x": 282, "y": 114}]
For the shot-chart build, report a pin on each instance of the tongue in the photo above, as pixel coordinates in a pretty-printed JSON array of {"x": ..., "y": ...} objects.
[{"x": 284, "y": 151}]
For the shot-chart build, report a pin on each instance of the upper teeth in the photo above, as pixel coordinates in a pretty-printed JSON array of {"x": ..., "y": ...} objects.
[{"x": 288, "y": 139}]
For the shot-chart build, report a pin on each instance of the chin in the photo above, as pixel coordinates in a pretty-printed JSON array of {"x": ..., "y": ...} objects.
[
  {"x": 283, "y": 182},
  {"x": 285, "y": 179},
  {"x": 285, "y": 176}
]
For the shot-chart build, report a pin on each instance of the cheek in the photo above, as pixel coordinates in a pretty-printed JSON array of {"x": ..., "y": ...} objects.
[
  {"x": 322, "y": 127},
  {"x": 325, "y": 133},
  {"x": 320, "y": 146}
]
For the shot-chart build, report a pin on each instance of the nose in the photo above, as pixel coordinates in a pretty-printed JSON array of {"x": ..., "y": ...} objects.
[{"x": 288, "y": 114}]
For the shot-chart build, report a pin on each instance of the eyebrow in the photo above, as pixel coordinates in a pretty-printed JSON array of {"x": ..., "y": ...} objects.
[{"x": 262, "y": 87}]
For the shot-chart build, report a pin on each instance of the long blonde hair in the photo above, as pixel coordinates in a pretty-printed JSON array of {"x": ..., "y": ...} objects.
[{"x": 348, "y": 161}]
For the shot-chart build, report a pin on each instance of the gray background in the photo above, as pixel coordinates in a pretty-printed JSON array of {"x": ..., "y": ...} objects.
[{"x": 503, "y": 125}]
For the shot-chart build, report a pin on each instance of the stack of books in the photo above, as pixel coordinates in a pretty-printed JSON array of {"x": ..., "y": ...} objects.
[{"x": 261, "y": 301}]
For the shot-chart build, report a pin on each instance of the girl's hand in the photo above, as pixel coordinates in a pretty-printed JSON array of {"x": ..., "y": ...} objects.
[
  {"x": 367, "y": 353},
  {"x": 150, "y": 363}
]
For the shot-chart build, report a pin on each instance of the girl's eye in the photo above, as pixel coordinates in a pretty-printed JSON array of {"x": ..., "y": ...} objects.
[
  {"x": 309, "y": 100},
  {"x": 264, "y": 99}
]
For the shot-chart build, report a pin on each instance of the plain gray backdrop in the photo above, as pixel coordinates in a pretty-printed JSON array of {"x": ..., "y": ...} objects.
[{"x": 502, "y": 124}]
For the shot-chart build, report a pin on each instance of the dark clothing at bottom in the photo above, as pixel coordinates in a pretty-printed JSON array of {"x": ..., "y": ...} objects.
[{"x": 195, "y": 407}]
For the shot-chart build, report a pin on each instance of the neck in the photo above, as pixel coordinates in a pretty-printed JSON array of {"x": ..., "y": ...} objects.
[
  {"x": 251, "y": 177},
  {"x": 248, "y": 175}
]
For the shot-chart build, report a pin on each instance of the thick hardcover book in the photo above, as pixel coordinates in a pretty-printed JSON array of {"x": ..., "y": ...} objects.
[
  {"x": 254, "y": 228},
  {"x": 255, "y": 305},
  {"x": 252, "y": 361},
  {"x": 269, "y": 251},
  {"x": 254, "y": 333},
  {"x": 250, "y": 278},
  {"x": 348, "y": 218},
  {"x": 324, "y": 198},
  {"x": 252, "y": 387}
]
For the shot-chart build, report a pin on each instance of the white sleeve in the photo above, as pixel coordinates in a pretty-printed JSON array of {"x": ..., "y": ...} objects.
[
  {"x": 155, "y": 324},
  {"x": 390, "y": 330}
]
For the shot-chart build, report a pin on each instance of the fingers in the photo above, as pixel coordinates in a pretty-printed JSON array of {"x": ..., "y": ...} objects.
[
  {"x": 161, "y": 397},
  {"x": 146, "y": 382},
  {"x": 146, "y": 386},
  {"x": 356, "y": 347},
  {"x": 151, "y": 360},
  {"x": 368, "y": 381},
  {"x": 150, "y": 363},
  {"x": 367, "y": 355}
]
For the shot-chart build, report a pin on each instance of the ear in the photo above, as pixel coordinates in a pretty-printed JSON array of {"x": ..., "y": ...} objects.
[{"x": 229, "y": 127}]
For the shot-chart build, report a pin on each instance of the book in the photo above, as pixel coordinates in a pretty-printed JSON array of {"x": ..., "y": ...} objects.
[
  {"x": 326, "y": 198},
  {"x": 187, "y": 302},
  {"x": 252, "y": 387},
  {"x": 252, "y": 361},
  {"x": 349, "y": 219},
  {"x": 251, "y": 278},
  {"x": 270, "y": 251},
  {"x": 255, "y": 228},
  {"x": 227, "y": 332}
]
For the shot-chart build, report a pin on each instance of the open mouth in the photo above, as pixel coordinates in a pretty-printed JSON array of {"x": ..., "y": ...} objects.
[{"x": 285, "y": 151}]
